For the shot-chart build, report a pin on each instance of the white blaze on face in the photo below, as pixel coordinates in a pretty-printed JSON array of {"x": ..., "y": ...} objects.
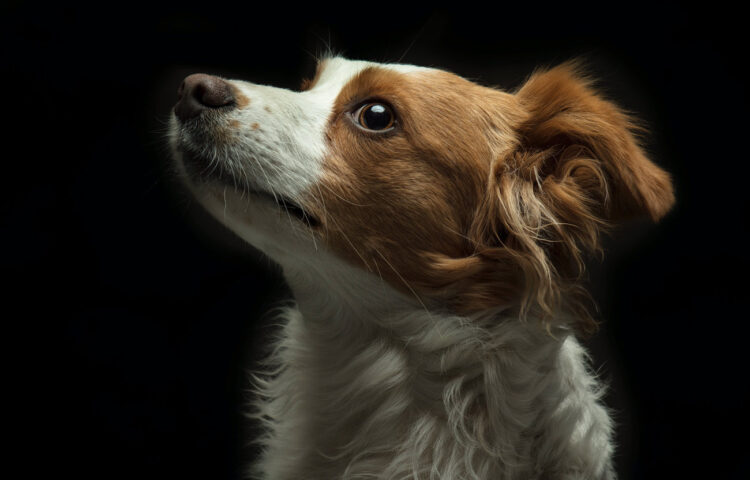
[
  {"x": 275, "y": 142},
  {"x": 281, "y": 136}
]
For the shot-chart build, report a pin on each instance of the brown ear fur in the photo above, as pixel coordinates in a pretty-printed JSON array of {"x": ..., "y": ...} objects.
[
  {"x": 577, "y": 167},
  {"x": 564, "y": 112}
]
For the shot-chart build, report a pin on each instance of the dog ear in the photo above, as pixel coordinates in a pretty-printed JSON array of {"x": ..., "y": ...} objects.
[
  {"x": 575, "y": 168},
  {"x": 567, "y": 120}
]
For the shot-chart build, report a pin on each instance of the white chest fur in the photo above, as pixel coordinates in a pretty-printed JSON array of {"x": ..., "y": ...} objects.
[{"x": 418, "y": 395}]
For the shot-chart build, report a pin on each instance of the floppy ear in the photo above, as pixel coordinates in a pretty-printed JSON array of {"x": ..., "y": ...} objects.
[
  {"x": 567, "y": 118},
  {"x": 574, "y": 168}
]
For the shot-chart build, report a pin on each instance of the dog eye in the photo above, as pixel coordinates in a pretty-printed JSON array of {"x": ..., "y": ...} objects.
[{"x": 375, "y": 116}]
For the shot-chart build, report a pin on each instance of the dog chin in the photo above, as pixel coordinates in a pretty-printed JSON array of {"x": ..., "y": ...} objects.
[
  {"x": 222, "y": 193},
  {"x": 202, "y": 170}
]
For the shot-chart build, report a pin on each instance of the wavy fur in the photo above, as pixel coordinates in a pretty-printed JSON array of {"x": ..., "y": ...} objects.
[
  {"x": 438, "y": 288},
  {"x": 431, "y": 398}
]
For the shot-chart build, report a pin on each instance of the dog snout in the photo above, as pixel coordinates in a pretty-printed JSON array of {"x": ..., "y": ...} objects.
[{"x": 199, "y": 92}]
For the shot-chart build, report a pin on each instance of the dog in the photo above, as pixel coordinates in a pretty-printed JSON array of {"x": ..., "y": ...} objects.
[{"x": 433, "y": 232}]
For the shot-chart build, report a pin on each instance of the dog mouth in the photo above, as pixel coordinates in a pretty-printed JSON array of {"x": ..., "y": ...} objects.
[
  {"x": 287, "y": 205},
  {"x": 213, "y": 171}
]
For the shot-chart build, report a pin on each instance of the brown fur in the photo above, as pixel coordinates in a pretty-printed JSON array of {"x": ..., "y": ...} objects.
[
  {"x": 479, "y": 198},
  {"x": 242, "y": 100},
  {"x": 308, "y": 83}
]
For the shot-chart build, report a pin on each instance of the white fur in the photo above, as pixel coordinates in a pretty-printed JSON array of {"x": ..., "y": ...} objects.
[{"x": 368, "y": 383}]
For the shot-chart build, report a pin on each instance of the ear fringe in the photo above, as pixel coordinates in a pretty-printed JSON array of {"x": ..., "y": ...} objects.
[
  {"x": 577, "y": 166},
  {"x": 552, "y": 223},
  {"x": 540, "y": 218},
  {"x": 564, "y": 108}
]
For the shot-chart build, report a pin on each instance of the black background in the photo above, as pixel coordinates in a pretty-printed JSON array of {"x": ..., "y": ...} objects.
[{"x": 131, "y": 318}]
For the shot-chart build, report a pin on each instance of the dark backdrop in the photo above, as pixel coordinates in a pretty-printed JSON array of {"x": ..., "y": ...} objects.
[{"x": 131, "y": 318}]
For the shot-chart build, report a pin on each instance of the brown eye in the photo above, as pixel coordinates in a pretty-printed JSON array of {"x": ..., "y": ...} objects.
[{"x": 375, "y": 116}]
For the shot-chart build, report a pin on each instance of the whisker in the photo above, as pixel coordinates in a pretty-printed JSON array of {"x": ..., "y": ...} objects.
[
  {"x": 419, "y": 299},
  {"x": 346, "y": 237},
  {"x": 414, "y": 40},
  {"x": 378, "y": 269},
  {"x": 344, "y": 199},
  {"x": 225, "y": 204},
  {"x": 323, "y": 204}
]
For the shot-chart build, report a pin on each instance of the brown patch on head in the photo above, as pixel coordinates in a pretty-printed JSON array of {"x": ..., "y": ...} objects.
[
  {"x": 478, "y": 198},
  {"x": 309, "y": 83},
  {"x": 234, "y": 123},
  {"x": 267, "y": 109},
  {"x": 400, "y": 203},
  {"x": 255, "y": 126}
]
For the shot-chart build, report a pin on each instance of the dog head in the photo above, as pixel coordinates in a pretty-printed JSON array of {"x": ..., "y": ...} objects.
[{"x": 467, "y": 196}]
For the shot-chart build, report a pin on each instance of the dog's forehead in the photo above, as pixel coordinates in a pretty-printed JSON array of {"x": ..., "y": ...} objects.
[{"x": 336, "y": 72}]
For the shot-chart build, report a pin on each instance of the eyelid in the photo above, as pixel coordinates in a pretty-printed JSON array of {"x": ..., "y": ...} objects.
[
  {"x": 357, "y": 111},
  {"x": 369, "y": 101}
]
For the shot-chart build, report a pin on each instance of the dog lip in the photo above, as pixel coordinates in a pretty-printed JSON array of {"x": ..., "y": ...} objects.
[
  {"x": 202, "y": 169},
  {"x": 288, "y": 205},
  {"x": 199, "y": 167}
]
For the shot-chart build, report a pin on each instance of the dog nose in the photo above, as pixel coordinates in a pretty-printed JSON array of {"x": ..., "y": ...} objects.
[{"x": 199, "y": 92}]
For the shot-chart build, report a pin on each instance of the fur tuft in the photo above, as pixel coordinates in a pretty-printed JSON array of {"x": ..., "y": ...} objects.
[{"x": 442, "y": 398}]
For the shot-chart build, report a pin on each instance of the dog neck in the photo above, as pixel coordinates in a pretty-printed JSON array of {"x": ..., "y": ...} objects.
[
  {"x": 375, "y": 381},
  {"x": 334, "y": 294}
]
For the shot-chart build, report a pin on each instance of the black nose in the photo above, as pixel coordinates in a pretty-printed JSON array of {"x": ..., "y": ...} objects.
[{"x": 199, "y": 92}]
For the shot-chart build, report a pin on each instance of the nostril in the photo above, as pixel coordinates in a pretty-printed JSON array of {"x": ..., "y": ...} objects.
[
  {"x": 200, "y": 91},
  {"x": 211, "y": 91},
  {"x": 180, "y": 90}
]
